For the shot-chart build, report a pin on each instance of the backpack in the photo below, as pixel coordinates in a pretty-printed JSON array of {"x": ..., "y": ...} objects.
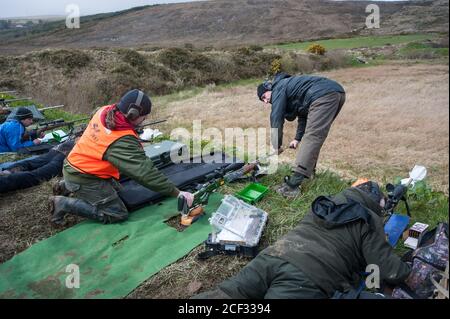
[{"x": 429, "y": 263}]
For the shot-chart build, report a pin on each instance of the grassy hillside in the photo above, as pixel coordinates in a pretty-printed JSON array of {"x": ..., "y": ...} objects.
[
  {"x": 223, "y": 23},
  {"x": 85, "y": 79}
]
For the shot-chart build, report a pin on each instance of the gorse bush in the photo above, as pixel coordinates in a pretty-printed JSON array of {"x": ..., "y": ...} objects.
[
  {"x": 132, "y": 57},
  {"x": 316, "y": 49},
  {"x": 68, "y": 59},
  {"x": 275, "y": 66}
]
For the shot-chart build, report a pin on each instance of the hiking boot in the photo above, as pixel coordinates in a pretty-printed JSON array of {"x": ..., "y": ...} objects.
[
  {"x": 58, "y": 209},
  {"x": 59, "y": 188},
  {"x": 295, "y": 180},
  {"x": 61, "y": 205},
  {"x": 287, "y": 191}
]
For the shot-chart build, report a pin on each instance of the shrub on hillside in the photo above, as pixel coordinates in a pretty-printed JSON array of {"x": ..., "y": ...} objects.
[
  {"x": 336, "y": 59},
  {"x": 292, "y": 63},
  {"x": 67, "y": 59},
  {"x": 256, "y": 48},
  {"x": 275, "y": 66},
  {"x": 316, "y": 49},
  {"x": 178, "y": 58},
  {"x": 132, "y": 57},
  {"x": 252, "y": 64},
  {"x": 126, "y": 69}
]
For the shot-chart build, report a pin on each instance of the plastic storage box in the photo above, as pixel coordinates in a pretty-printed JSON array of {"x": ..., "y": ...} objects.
[
  {"x": 236, "y": 222},
  {"x": 252, "y": 193}
]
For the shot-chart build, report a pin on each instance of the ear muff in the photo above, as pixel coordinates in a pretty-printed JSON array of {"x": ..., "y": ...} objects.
[{"x": 135, "y": 109}]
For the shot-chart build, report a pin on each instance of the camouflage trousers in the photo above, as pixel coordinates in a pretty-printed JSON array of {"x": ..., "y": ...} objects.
[{"x": 102, "y": 195}]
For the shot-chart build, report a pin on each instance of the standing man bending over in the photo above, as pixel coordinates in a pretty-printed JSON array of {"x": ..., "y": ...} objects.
[{"x": 315, "y": 102}]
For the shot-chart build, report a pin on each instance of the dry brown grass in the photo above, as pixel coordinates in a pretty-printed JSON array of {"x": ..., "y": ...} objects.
[{"x": 395, "y": 116}]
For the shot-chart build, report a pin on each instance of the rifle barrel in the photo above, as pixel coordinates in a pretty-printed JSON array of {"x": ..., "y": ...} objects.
[
  {"x": 153, "y": 123},
  {"x": 50, "y": 107},
  {"x": 47, "y": 126},
  {"x": 18, "y": 99}
]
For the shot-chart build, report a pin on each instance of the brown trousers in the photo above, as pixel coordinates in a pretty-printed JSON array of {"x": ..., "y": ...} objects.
[{"x": 321, "y": 115}]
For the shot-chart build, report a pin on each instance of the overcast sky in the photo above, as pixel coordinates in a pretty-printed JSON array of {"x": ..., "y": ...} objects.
[{"x": 26, "y": 8}]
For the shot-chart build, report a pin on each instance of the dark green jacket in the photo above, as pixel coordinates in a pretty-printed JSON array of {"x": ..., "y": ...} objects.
[
  {"x": 291, "y": 98},
  {"x": 128, "y": 156},
  {"x": 337, "y": 239}
]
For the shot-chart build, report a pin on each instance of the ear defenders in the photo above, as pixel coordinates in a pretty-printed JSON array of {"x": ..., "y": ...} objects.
[{"x": 135, "y": 109}]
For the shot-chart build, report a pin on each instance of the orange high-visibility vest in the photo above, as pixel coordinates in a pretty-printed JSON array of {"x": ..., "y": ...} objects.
[{"x": 87, "y": 155}]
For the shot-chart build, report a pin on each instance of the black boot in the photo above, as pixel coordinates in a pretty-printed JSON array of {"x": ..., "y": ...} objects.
[
  {"x": 60, "y": 206},
  {"x": 59, "y": 188},
  {"x": 291, "y": 185},
  {"x": 294, "y": 180}
]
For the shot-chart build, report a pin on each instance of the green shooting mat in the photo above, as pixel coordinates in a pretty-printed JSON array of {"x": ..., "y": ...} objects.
[{"x": 111, "y": 260}]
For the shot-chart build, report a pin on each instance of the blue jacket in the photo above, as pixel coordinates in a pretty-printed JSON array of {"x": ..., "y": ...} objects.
[{"x": 10, "y": 136}]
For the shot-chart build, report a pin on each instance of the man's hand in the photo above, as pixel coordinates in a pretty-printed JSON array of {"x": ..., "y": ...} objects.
[
  {"x": 37, "y": 141},
  {"x": 293, "y": 144},
  {"x": 189, "y": 197}
]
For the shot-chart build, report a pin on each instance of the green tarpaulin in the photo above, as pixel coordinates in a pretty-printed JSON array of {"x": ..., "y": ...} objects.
[{"x": 112, "y": 259}]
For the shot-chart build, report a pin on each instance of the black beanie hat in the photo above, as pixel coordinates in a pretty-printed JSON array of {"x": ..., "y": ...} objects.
[
  {"x": 262, "y": 88},
  {"x": 23, "y": 113},
  {"x": 135, "y": 98}
]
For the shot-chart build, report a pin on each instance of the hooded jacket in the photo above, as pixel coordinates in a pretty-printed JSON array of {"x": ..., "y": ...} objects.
[
  {"x": 291, "y": 98},
  {"x": 336, "y": 241}
]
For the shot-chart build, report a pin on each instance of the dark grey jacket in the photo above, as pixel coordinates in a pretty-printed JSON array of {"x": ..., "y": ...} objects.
[
  {"x": 291, "y": 98},
  {"x": 335, "y": 242}
]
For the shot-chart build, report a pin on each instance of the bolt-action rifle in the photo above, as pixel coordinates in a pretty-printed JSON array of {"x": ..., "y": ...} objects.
[
  {"x": 140, "y": 129},
  {"x": 215, "y": 179},
  {"x": 48, "y": 126},
  {"x": 398, "y": 192}
]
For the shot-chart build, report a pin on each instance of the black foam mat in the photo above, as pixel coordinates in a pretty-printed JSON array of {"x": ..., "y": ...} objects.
[{"x": 182, "y": 175}]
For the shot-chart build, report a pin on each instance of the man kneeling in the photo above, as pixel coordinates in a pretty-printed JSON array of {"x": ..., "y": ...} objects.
[{"x": 325, "y": 254}]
